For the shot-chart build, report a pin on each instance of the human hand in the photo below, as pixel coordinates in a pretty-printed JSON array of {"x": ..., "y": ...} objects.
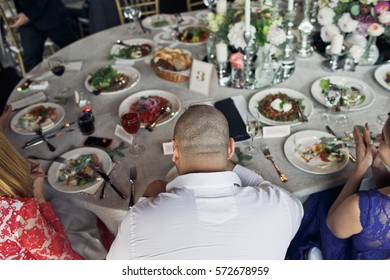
[
  {"x": 365, "y": 149},
  {"x": 20, "y": 19},
  {"x": 38, "y": 175},
  {"x": 154, "y": 188}
]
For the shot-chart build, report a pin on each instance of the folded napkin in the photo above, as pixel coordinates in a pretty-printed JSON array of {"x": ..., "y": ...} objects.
[
  {"x": 27, "y": 101},
  {"x": 42, "y": 71},
  {"x": 235, "y": 111}
]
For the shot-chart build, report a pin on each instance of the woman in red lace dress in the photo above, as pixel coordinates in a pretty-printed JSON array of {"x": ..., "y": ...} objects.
[{"x": 29, "y": 228}]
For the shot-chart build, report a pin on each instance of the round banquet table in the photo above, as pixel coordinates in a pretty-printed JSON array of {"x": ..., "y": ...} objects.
[{"x": 94, "y": 51}]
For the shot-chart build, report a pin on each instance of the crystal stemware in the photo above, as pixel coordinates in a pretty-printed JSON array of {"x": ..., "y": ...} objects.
[
  {"x": 252, "y": 128},
  {"x": 210, "y": 4},
  {"x": 133, "y": 14},
  {"x": 57, "y": 67},
  {"x": 350, "y": 96},
  {"x": 131, "y": 122},
  {"x": 332, "y": 97}
]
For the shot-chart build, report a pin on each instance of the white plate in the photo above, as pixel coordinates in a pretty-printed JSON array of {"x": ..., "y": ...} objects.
[
  {"x": 129, "y": 71},
  {"x": 53, "y": 172},
  {"x": 188, "y": 20},
  {"x": 307, "y": 138},
  {"x": 24, "y": 131},
  {"x": 115, "y": 48},
  {"x": 380, "y": 75},
  {"x": 202, "y": 15},
  {"x": 187, "y": 43},
  {"x": 173, "y": 99},
  {"x": 149, "y": 21},
  {"x": 253, "y": 104},
  {"x": 341, "y": 80}
]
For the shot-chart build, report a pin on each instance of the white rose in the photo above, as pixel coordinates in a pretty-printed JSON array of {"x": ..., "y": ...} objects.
[
  {"x": 375, "y": 30},
  {"x": 327, "y": 32},
  {"x": 384, "y": 17},
  {"x": 356, "y": 52},
  {"x": 276, "y": 36},
  {"x": 346, "y": 23},
  {"x": 325, "y": 16},
  {"x": 236, "y": 35}
]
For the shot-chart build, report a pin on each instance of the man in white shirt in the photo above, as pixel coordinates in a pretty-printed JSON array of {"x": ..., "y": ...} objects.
[{"x": 213, "y": 209}]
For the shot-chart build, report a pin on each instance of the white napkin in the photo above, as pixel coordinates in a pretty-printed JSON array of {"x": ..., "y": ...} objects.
[
  {"x": 32, "y": 99},
  {"x": 124, "y": 62},
  {"x": 42, "y": 71}
]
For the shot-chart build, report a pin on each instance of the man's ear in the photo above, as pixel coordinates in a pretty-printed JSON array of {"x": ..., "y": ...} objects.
[
  {"x": 231, "y": 147},
  {"x": 175, "y": 155}
]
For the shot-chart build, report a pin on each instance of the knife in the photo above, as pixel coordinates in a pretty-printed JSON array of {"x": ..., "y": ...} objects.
[
  {"x": 351, "y": 157},
  {"x": 107, "y": 179}
]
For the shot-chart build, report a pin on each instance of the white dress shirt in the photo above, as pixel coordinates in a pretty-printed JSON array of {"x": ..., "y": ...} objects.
[{"x": 211, "y": 216}]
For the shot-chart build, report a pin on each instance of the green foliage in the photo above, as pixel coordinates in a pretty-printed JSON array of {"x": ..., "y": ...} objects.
[
  {"x": 241, "y": 156},
  {"x": 116, "y": 151}
]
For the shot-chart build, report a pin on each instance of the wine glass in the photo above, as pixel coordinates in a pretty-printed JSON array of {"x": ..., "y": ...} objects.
[
  {"x": 252, "y": 128},
  {"x": 131, "y": 122},
  {"x": 332, "y": 97},
  {"x": 210, "y": 4},
  {"x": 350, "y": 96},
  {"x": 57, "y": 67},
  {"x": 133, "y": 14}
]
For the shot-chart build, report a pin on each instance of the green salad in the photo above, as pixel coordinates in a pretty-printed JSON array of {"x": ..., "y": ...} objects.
[{"x": 102, "y": 79}]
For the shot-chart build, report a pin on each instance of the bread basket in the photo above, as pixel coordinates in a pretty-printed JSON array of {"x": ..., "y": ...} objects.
[{"x": 172, "y": 76}]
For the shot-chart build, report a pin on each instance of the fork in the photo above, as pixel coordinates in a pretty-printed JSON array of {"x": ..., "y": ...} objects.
[
  {"x": 39, "y": 132},
  {"x": 133, "y": 177},
  {"x": 268, "y": 156},
  {"x": 104, "y": 188},
  {"x": 302, "y": 116}
]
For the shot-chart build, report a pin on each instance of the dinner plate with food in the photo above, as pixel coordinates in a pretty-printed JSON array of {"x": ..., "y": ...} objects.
[
  {"x": 192, "y": 35},
  {"x": 365, "y": 96},
  {"x": 112, "y": 79},
  {"x": 280, "y": 106},
  {"x": 48, "y": 115},
  {"x": 77, "y": 176},
  {"x": 132, "y": 50},
  {"x": 382, "y": 75},
  {"x": 307, "y": 151},
  {"x": 149, "y": 103},
  {"x": 159, "y": 21}
]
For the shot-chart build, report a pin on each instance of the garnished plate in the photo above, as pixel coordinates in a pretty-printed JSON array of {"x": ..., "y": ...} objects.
[
  {"x": 192, "y": 35},
  {"x": 278, "y": 106},
  {"x": 25, "y": 121},
  {"x": 306, "y": 151},
  {"x": 144, "y": 96},
  {"x": 341, "y": 81},
  {"x": 138, "y": 50},
  {"x": 113, "y": 79},
  {"x": 159, "y": 21},
  {"x": 382, "y": 76},
  {"x": 55, "y": 170}
]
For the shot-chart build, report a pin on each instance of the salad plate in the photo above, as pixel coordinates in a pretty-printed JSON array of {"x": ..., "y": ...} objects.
[
  {"x": 151, "y": 99},
  {"x": 306, "y": 152},
  {"x": 130, "y": 76},
  {"x": 55, "y": 171},
  {"x": 287, "y": 96},
  {"x": 140, "y": 49},
  {"x": 25, "y": 121},
  {"x": 341, "y": 81},
  {"x": 159, "y": 21},
  {"x": 192, "y": 35},
  {"x": 382, "y": 76}
]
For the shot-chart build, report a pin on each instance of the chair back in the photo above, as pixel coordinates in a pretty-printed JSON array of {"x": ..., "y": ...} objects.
[
  {"x": 195, "y": 5},
  {"x": 148, "y": 7}
]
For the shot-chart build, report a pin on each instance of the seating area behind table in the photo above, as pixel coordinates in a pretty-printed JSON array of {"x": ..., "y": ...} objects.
[{"x": 137, "y": 81}]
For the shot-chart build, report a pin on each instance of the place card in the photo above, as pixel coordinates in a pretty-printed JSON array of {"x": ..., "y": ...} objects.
[
  {"x": 202, "y": 75},
  {"x": 32, "y": 99},
  {"x": 168, "y": 148},
  {"x": 276, "y": 131},
  {"x": 123, "y": 134}
]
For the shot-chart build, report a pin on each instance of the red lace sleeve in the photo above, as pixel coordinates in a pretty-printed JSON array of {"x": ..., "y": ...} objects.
[{"x": 42, "y": 233}]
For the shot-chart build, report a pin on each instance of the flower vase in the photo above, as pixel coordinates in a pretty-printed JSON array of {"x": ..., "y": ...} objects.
[
  {"x": 371, "y": 53},
  {"x": 264, "y": 73},
  {"x": 211, "y": 49}
]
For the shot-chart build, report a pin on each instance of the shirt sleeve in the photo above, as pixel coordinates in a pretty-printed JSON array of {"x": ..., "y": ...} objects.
[
  {"x": 120, "y": 249},
  {"x": 35, "y": 10},
  {"x": 247, "y": 176},
  {"x": 42, "y": 233}
]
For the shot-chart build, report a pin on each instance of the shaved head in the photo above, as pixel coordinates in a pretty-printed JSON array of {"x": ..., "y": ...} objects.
[{"x": 202, "y": 131}]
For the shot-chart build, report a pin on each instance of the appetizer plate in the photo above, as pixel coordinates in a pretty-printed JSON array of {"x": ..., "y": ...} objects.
[
  {"x": 315, "y": 166},
  {"x": 133, "y": 74},
  {"x": 115, "y": 49},
  {"x": 342, "y": 80},
  {"x": 53, "y": 171},
  {"x": 190, "y": 29},
  {"x": 159, "y": 21},
  {"x": 173, "y": 99},
  {"x": 253, "y": 104},
  {"x": 31, "y": 130},
  {"x": 380, "y": 75}
]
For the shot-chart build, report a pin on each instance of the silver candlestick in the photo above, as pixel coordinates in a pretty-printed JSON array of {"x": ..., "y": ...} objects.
[
  {"x": 304, "y": 49},
  {"x": 333, "y": 64},
  {"x": 249, "y": 82},
  {"x": 287, "y": 59}
]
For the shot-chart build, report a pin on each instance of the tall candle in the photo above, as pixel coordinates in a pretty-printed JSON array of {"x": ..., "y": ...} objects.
[
  {"x": 336, "y": 44},
  {"x": 290, "y": 7},
  {"x": 247, "y": 15},
  {"x": 221, "y": 6},
  {"x": 222, "y": 52}
]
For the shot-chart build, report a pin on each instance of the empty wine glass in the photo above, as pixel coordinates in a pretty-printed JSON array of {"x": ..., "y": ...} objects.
[
  {"x": 131, "y": 122},
  {"x": 57, "y": 67},
  {"x": 133, "y": 14},
  {"x": 332, "y": 97},
  {"x": 350, "y": 96},
  {"x": 252, "y": 128},
  {"x": 210, "y": 4}
]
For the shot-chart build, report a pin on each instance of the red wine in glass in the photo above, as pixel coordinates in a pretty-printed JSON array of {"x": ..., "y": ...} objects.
[
  {"x": 57, "y": 67},
  {"x": 58, "y": 70},
  {"x": 131, "y": 122}
]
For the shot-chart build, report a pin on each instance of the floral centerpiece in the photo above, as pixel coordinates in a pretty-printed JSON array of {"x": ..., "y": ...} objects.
[{"x": 357, "y": 19}]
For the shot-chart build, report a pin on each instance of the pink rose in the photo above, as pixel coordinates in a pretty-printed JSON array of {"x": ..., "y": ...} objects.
[{"x": 236, "y": 60}]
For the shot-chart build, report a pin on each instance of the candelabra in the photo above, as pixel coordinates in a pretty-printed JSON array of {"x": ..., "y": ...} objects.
[
  {"x": 249, "y": 81},
  {"x": 223, "y": 77},
  {"x": 304, "y": 49},
  {"x": 333, "y": 64},
  {"x": 287, "y": 59}
]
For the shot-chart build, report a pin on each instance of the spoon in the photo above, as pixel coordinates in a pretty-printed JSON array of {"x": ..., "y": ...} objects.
[
  {"x": 163, "y": 112},
  {"x": 119, "y": 42}
]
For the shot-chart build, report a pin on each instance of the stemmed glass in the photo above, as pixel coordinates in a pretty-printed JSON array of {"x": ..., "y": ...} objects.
[
  {"x": 332, "y": 97},
  {"x": 131, "y": 122},
  {"x": 252, "y": 128},
  {"x": 133, "y": 14},
  {"x": 350, "y": 96},
  {"x": 210, "y": 4},
  {"x": 57, "y": 67}
]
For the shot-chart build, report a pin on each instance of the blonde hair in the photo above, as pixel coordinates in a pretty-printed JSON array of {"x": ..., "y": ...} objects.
[
  {"x": 386, "y": 131},
  {"x": 15, "y": 177}
]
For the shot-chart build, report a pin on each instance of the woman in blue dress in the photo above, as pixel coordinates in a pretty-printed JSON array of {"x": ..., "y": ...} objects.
[{"x": 357, "y": 225}]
